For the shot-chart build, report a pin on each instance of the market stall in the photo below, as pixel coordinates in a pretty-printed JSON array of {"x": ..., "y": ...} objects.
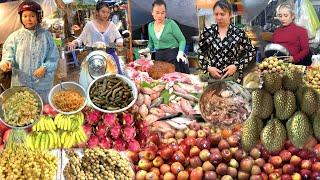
[{"x": 151, "y": 122}]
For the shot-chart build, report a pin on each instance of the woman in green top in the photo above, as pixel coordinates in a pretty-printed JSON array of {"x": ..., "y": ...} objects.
[{"x": 166, "y": 38}]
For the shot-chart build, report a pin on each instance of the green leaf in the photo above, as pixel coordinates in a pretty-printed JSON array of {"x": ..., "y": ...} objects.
[
  {"x": 166, "y": 96},
  {"x": 146, "y": 84}
]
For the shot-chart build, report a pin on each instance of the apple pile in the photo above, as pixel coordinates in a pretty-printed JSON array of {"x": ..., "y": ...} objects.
[{"x": 205, "y": 152}]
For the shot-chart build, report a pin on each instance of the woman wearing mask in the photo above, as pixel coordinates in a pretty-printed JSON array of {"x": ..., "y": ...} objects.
[
  {"x": 30, "y": 52},
  {"x": 166, "y": 38},
  {"x": 99, "y": 29},
  {"x": 224, "y": 49},
  {"x": 291, "y": 36}
]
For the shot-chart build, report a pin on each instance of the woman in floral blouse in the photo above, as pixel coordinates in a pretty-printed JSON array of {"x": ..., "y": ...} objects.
[{"x": 223, "y": 48}]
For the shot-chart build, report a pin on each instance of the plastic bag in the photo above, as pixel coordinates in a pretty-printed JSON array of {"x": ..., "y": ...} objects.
[{"x": 307, "y": 17}]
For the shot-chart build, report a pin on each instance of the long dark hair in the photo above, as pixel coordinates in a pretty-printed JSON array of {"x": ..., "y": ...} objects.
[
  {"x": 224, "y": 5},
  {"x": 102, "y": 4},
  {"x": 159, "y": 3}
]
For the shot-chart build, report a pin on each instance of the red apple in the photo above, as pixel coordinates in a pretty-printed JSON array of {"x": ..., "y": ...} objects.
[
  {"x": 293, "y": 150},
  {"x": 194, "y": 151},
  {"x": 168, "y": 135},
  {"x": 233, "y": 172},
  {"x": 215, "y": 150},
  {"x": 141, "y": 175},
  {"x": 155, "y": 170},
  {"x": 150, "y": 155},
  {"x": 255, "y": 170},
  {"x": 165, "y": 168},
  {"x": 133, "y": 156},
  {"x": 274, "y": 176},
  {"x": 204, "y": 144},
  {"x": 315, "y": 175},
  {"x": 305, "y": 173},
  {"x": 316, "y": 167},
  {"x": 316, "y": 149},
  {"x": 304, "y": 154},
  {"x": 174, "y": 146},
  {"x": 295, "y": 160},
  {"x": 285, "y": 155},
  {"x": 255, "y": 153},
  {"x": 306, "y": 164},
  {"x": 204, "y": 155},
  {"x": 268, "y": 168},
  {"x": 184, "y": 148},
  {"x": 286, "y": 177},
  {"x": 260, "y": 162},
  {"x": 233, "y": 140},
  {"x": 215, "y": 158},
  {"x": 214, "y": 139},
  {"x": 233, "y": 163},
  {"x": 183, "y": 175},
  {"x": 310, "y": 143},
  {"x": 169, "y": 176},
  {"x": 157, "y": 162},
  {"x": 207, "y": 166},
  {"x": 166, "y": 153},
  {"x": 190, "y": 141},
  {"x": 255, "y": 177},
  {"x": 288, "y": 169},
  {"x": 210, "y": 175},
  {"x": 180, "y": 134},
  {"x": 6, "y": 135},
  {"x": 246, "y": 164},
  {"x": 1, "y": 146},
  {"x": 195, "y": 162},
  {"x": 276, "y": 161},
  {"x": 176, "y": 167},
  {"x": 279, "y": 171},
  {"x": 239, "y": 155},
  {"x": 223, "y": 144},
  {"x": 179, "y": 157},
  {"x": 222, "y": 169},
  {"x": 226, "y": 155},
  {"x": 243, "y": 175},
  {"x": 264, "y": 153},
  {"x": 3, "y": 128},
  {"x": 151, "y": 176},
  {"x": 226, "y": 177},
  {"x": 152, "y": 147},
  {"x": 154, "y": 138},
  {"x": 196, "y": 174},
  {"x": 192, "y": 133},
  {"x": 264, "y": 176},
  {"x": 145, "y": 164}
]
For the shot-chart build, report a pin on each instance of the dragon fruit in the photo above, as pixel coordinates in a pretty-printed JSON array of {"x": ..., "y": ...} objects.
[
  {"x": 101, "y": 130},
  {"x": 115, "y": 131},
  {"x": 93, "y": 141},
  {"x": 129, "y": 133},
  {"x": 119, "y": 145},
  {"x": 105, "y": 143},
  {"x": 128, "y": 118},
  {"x": 134, "y": 145},
  {"x": 109, "y": 119},
  {"x": 93, "y": 117},
  {"x": 87, "y": 129}
]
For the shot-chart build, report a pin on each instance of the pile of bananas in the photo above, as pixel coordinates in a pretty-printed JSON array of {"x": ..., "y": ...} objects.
[{"x": 64, "y": 131}]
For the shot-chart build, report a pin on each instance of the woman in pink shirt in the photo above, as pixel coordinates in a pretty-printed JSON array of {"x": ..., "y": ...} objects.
[{"x": 291, "y": 36}]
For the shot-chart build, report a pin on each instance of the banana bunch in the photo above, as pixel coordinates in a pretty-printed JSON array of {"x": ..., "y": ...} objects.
[
  {"x": 45, "y": 123},
  {"x": 43, "y": 140},
  {"x": 69, "y": 139},
  {"x": 69, "y": 122}
]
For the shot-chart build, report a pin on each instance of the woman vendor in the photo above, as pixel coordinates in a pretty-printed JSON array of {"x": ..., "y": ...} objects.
[
  {"x": 30, "y": 52},
  {"x": 166, "y": 38},
  {"x": 224, "y": 49},
  {"x": 291, "y": 36}
]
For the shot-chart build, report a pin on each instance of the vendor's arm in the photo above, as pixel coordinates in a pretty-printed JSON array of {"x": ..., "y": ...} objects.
[
  {"x": 83, "y": 36},
  {"x": 8, "y": 53},
  {"x": 52, "y": 55},
  {"x": 203, "y": 50},
  {"x": 304, "y": 43},
  {"x": 150, "y": 41},
  {"x": 248, "y": 53},
  {"x": 117, "y": 35},
  {"x": 179, "y": 36}
]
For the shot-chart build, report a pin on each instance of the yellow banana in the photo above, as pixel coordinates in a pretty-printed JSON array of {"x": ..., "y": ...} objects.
[
  {"x": 51, "y": 140},
  {"x": 34, "y": 127},
  {"x": 77, "y": 137},
  {"x": 57, "y": 120},
  {"x": 66, "y": 140},
  {"x": 63, "y": 137},
  {"x": 29, "y": 142},
  {"x": 43, "y": 141},
  {"x": 82, "y": 134},
  {"x": 38, "y": 140},
  {"x": 72, "y": 140},
  {"x": 58, "y": 140},
  {"x": 53, "y": 125}
]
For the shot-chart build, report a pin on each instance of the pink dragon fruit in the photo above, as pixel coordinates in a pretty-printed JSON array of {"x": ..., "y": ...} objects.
[
  {"x": 134, "y": 145},
  {"x": 109, "y": 119},
  {"x": 119, "y": 145},
  {"x": 93, "y": 117},
  {"x": 101, "y": 130},
  {"x": 87, "y": 129},
  {"x": 105, "y": 143},
  {"x": 128, "y": 118},
  {"x": 93, "y": 141},
  {"x": 129, "y": 133},
  {"x": 115, "y": 131}
]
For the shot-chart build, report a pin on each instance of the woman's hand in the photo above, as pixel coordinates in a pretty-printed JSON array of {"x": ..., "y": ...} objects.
[
  {"x": 230, "y": 70},
  {"x": 214, "y": 72},
  {"x": 5, "y": 66},
  {"x": 291, "y": 59},
  {"x": 119, "y": 44},
  {"x": 39, "y": 73},
  {"x": 72, "y": 45}
]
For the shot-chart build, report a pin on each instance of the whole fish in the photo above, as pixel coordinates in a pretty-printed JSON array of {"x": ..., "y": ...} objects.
[
  {"x": 143, "y": 110},
  {"x": 168, "y": 109},
  {"x": 155, "y": 95},
  {"x": 156, "y": 102},
  {"x": 146, "y": 90},
  {"x": 186, "y": 107},
  {"x": 161, "y": 126},
  {"x": 179, "y": 89},
  {"x": 158, "y": 112},
  {"x": 182, "y": 120},
  {"x": 176, "y": 107},
  {"x": 140, "y": 99},
  {"x": 159, "y": 87},
  {"x": 176, "y": 125},
  {"x": 147, "y": 100},
  {"x": 151, "y": 118},
  {"x": 187, "y": 96}
]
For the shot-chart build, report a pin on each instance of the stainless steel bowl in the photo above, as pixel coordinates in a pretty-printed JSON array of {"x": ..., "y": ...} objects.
[
  {"x": 275, "y": 50},
  {"x": 8, "y": 93}
]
